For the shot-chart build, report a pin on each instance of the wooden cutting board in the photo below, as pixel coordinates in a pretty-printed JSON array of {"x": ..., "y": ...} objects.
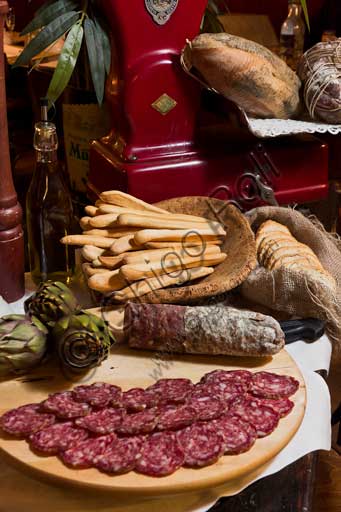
[{"x": 129, "y": 368}]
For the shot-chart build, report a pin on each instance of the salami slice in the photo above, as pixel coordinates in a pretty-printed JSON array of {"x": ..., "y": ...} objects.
[
  {"x": 57, "y": 438},
  {"x": 207, "y": 408},
  {"x": 239, "y": 436},
  {"x": 64, "y": 406},
  {"x": 87, "y": 453},
  {"x": 172, "y": 417},
  {"x": 218, "y": 390},
  {"x": 283, "y": 406},
  {"x": 138, "y": 399},
  {"x": 271, "y": 385},
  {"x": 98, "y": 395},
  {"x": 202, "y": 443},
  {"x": 25, "y": 420},
  {"x": 263, "y": 418},
  {"x": 102, "y": 422},
  {"x": 161, "y": 455},
  {"x": 171, "y": 391},
  {"x": 240, "y": 377},
  {"x": 142, "y": 422},
  {"x": 121, "y": 456}
]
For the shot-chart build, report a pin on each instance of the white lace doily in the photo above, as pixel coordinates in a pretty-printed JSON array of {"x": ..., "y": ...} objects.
[{"x": 276, "y": 127}]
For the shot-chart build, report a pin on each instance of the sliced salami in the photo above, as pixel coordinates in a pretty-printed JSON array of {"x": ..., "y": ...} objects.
[
  {"x": 121, "y": 456},
  {"x": 138, "y": 399},
  {"x": 239, "y": 436},
  {"x": 87, "y": 453},
  {"x": 218, "y": 390},
  {"x": 161, "y": 455},
  {"x": 207, "y": 408},
  {"x": 283, "y": 406},
  {"x": 105, "y": 421},
  {"x": 202, "y": 443},
  {"x": 241, "y": 377},
  {"x": 271, "y": 385},
  {"x": 57, "y": 438},
  {"x": 171, "y": 391},
  {"x": 263, "y": 418},
  {"x": 98, "y": 395},
  {"x": 25, "y": 420},
  {"x": 172, "y": 417},
  {"x": 142, "y": 422},
  {"x": 64, "y": 406}
]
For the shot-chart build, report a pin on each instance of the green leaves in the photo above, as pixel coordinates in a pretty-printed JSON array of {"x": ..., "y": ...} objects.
[
  {"x": 94, "y": 47},
  {"x": 66, "y": 63},
  {"x": 47, "y": 36},
  {"x": 50, "y": 12},
  {"x": 305, "y": 10},
  {"x": 106, "y": 45}
]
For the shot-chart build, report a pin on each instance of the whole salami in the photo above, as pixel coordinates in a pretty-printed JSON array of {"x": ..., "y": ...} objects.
[
  {"x": 202, "y": 330},
  {"x": 121, "y": 456},
  {"x": 271, "y": 385},
  {"x": 98, "y": 395},
  {"x": 87, "y": 453},
  {"x": 25, "y": 420},
  {"x": 202, "y": 443},
  {"x": 64, "y": 406},
  {"x": 57, "y": 438},
  {"x": 105, "y": 421},
  {"x": 161, "y": 455}
]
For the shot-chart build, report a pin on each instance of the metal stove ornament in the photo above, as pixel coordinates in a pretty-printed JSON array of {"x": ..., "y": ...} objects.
[{"x": 161, "y": 10}]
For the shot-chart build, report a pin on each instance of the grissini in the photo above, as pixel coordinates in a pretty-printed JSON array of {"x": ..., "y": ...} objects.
[
  {"x": 118, "y": 198},
  {"x": 124, "y": 244},
  {"x": 97, "y": 241},
  {"x": 112, "y": 262},
  {"x": 107, "y": 282},
  {"x": 91, "y": 210},
  {"x": 141, "y": 271},
  {"x": 141, "y": 288},
  {"x": 182, "y": 245},
  {"x": 90, "y": 252},
  {"x": 173, "y": 235},
  {"x": 118, "y": 210},
  {"x": 133, "y": 220},
  {"x": 158, "y": 254},
  {"x": 109, "y": 233},
  {"x": 84, "y": 223},
  {"x": 89, "y": 270}
]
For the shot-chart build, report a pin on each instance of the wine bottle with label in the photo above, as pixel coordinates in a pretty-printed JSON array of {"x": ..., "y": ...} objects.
[{"x": 49, "y": 210}]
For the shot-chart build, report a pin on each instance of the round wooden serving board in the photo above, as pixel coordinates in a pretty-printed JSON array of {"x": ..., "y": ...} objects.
[{"x": 129, "y": 368}]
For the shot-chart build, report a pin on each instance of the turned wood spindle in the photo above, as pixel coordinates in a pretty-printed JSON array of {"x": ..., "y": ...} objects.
[{"x": 12, "y": 261}]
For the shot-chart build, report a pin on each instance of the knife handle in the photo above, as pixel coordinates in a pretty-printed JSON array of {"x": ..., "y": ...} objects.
[{"x": 308, "y": 329}]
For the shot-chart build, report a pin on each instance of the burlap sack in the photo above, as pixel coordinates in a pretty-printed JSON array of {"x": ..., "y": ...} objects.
[{"x": 295, "y": 292}]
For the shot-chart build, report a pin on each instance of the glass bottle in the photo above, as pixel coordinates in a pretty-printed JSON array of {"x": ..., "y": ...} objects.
[
  {"x": 292, "y": 35},
  {"x": 49, "y": 211}
]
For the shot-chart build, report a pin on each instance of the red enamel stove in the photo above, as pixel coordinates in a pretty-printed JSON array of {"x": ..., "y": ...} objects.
[{"x": 170, "y": 138}]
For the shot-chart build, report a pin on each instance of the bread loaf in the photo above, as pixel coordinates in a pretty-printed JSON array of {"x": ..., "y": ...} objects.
[
  {"x": 320, "y": 71},
  {"x": 246, "y": 73}
]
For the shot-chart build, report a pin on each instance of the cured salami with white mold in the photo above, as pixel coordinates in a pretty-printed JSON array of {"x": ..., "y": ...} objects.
[{"x": 212, "y": 330}]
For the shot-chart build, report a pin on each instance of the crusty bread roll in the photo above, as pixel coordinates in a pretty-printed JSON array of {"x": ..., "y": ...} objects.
[
  {"x": 277, "y": 248},
  {"x": 247, "y": 73}
]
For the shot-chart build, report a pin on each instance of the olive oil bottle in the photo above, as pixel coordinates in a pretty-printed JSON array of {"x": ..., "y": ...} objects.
[{"x": 49, "y": 211}]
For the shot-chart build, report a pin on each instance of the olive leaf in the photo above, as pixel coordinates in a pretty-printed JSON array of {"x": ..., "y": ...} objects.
[
  {"x": 66, "y": 62},
  {"x": 96, "y": 58},
  {"x": 50, "y": 13},
  {"x": 106, "y": 45},
  {"x": 47, "y": 36},
  {"x": 306, "y": 14}
]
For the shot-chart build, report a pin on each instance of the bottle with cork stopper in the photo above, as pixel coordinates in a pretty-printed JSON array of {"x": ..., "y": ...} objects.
[
  {"x": 49, "y": 210},
  {"x": 292, "y": 35}
]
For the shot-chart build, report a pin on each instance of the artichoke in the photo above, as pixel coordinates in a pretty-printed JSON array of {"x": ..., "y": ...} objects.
[
  {"x": 83, "y": 341},
  {"x": 52, "y": 301},
  {"x": 22, "y": 344}
]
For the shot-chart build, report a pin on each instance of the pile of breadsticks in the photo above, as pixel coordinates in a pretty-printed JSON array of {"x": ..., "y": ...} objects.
[{"x": 132, "y": 248}]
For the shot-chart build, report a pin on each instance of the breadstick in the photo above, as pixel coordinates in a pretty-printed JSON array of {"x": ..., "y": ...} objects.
[
  {"x": 165, "y": 222},
  {"x": 109, "y": 233},
  {"x": 89, "y": 270},
  {"x": 124, "y": 244},
  {"x": 141, "y": 288},
  {"x": 91, "y": 210},
  {"x": 181, "y": 245},
  {"x": 106, "y": 282},
  {"x": 109, "y": 208},
  {"x": 97, "y": 241},
  {"x": 104, "y": 221},
  {"x": 141, "y": 271},
  {"x": 121, "y": 199},
  {"x": 112, "y": 262},
  {"x": 174, "y": 235},
  {"x": 158, "y": 254},
  {"x": 90, "y": 253},
  {"x": 84, "y": 223}
]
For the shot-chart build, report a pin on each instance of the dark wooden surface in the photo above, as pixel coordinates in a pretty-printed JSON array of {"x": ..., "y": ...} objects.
[{"x": 11, "y": 233}]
